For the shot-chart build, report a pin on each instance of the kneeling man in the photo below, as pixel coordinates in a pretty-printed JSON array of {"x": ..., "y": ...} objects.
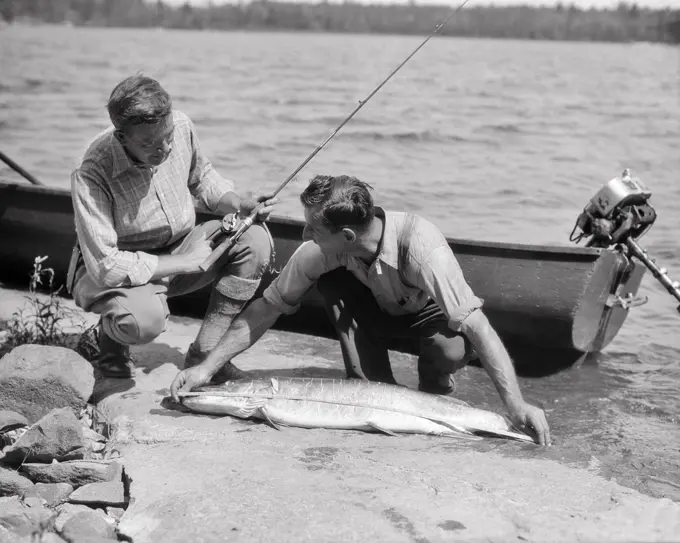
[
  {"x": 381, "y": 274},
  {"x": 138, "y": 241}
]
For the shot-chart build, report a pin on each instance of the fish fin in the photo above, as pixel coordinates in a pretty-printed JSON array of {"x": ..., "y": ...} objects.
[
  {"x": 380, "y": 428},
  {"x": 250, "y": 407},
  {"x": 263, "y": 411},
  {"x": 453, "y": 427},
  {"x": 517, "y": 436},
  {"x": 524, "y": 434},
  {"x": 275, "y": 384},
  {"x": 463, "y": 433}
]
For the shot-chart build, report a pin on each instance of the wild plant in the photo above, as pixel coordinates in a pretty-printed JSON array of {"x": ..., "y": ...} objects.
[{"x": 45, "y": 319}]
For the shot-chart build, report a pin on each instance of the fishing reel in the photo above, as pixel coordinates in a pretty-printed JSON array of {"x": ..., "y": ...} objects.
[{"x": 617, "y": 216}]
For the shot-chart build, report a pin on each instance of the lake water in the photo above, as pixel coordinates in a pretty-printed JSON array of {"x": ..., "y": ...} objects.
[{"x": 490, "y": 139}]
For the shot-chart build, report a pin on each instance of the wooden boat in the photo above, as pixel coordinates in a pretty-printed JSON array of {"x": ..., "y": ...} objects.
[{"x": 550, "y": 305}]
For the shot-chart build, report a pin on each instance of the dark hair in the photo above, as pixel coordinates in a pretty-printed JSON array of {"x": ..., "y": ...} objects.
[
  {"x": 138, "y": 100},
  {"x": 341, "y": 201}
]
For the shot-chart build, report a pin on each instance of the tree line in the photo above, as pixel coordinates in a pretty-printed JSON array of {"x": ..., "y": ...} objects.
[{"x": 625, "y": 23}]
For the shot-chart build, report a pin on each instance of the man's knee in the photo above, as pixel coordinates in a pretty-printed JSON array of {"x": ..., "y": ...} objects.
[
  {"x": 448, "y": 352},
  {"x": 254, "y": 252},
  {"x": 135, "y": 325}
]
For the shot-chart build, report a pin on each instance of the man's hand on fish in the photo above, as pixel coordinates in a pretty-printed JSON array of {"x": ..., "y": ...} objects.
[
  {"x": 526, "y": 416},
  {"x": 189, "y": 378}
]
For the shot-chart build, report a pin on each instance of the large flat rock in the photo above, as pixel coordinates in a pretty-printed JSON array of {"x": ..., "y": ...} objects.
[
  {"x": 34, "y": 379},
  {"x": 202, "y": 478}
]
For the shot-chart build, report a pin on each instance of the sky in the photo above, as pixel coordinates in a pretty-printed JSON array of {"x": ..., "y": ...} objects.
[{"x": 580, "y": 3}]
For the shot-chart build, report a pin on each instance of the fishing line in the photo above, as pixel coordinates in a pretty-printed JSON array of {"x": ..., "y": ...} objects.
[{"x": 248, "y": 221}]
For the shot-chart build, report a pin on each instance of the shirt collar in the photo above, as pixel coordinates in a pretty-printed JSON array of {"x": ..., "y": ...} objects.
[
  {"x": 121, "y": 160},
  {"x": 388, "y": 252}
]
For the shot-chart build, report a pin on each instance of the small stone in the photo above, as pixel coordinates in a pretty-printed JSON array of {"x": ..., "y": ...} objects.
[
  {"x": 9, "y": 420},
  {"x": 97, "y": 446},
  {"x": 51, "y": 537},
  {"x": 7, "y": 536},
  {"x": 34, "y": 501},
  {"x": 58, "y": 435},
  {"x": 76, "y": 472},
  {"x": 100, "y": 494},
  {"x": 90, "y": 434},
  {"x": 113, "y": 522},
  {"x": 53, "y": 493},
  {"x": 115, "y": 512},
  {"x": 67, "y": 510},
  {"x": 12, "y": 483},
  {"x": 10, "y": 437},
  {"x": 88, "y": 524},
  {"x": 21, "y": 519}
]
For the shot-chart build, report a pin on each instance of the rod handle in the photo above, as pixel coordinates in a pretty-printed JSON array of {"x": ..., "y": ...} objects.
[{"x": 222, "y": 247}]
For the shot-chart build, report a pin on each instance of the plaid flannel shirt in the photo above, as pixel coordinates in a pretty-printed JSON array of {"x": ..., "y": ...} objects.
[{"x": 124, "y": 213}]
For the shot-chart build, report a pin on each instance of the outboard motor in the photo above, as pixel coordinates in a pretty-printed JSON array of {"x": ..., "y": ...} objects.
[{"x": 617, "y": 216}]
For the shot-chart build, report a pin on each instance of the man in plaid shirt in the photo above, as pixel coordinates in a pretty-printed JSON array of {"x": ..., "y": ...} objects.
[{"x": 138, "y": 241}]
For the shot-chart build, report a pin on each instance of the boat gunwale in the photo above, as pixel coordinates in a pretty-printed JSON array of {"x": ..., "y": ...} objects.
[{"x": 552, "y": 252}]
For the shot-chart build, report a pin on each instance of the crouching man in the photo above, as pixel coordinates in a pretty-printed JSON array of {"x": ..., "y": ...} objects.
[
  {"x": 381, "y": 274},
  {"x": 138, "y": 242}
]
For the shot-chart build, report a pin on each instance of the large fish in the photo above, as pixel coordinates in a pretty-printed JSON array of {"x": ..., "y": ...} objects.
[{"x": 350, "y": 405}]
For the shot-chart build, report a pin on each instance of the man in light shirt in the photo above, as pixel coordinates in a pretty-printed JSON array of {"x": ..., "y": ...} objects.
[
  {"x": 138, "y": 242},
  {"x": 381, "y": 274}
]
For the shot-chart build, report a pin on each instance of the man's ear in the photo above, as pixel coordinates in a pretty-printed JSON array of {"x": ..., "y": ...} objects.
[
  {"x": 350, "y": 235},
  {"x": 120, "y": 135}
]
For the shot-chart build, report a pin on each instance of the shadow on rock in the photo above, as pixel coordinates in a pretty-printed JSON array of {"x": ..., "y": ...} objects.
[
  {"x": 171, "y": 408},
  {"x": 106, "y": 386},
  {"x": 154, "y": 355}
]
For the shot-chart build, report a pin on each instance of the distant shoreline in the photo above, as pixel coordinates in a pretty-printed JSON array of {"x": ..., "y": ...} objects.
[
  {"x": 36, "y": 24},
  {"x": 626, "y": 23}
]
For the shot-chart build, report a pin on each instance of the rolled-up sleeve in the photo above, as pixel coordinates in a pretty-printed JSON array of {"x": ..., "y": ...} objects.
[
  {"x": 106, "y": 264},
  {"x": 205, "y": 184},
  {"x": 298, "y": 276},
  {"x": 441, "y": 277}
]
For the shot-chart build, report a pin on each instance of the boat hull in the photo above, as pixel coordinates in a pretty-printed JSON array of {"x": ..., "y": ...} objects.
[{"x": 548, "y": 304}]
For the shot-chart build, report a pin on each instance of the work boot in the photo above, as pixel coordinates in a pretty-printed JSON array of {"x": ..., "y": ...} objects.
[
  {"x": 228, "y": 372},
  {"x": 114, "y": 358}
]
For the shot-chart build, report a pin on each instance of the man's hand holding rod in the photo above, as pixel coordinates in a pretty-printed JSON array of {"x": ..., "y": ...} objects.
[{"x": 257, "y": 209}]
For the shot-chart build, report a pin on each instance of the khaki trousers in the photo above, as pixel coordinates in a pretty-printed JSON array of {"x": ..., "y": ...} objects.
[
  {"x": 362, "y": 326},
  {"x": 137, "y": 315}
]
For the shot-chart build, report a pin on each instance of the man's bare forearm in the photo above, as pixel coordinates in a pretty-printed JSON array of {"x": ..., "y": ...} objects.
[
  {"x": 169, "y": 265},
  {"x": 244, "y": 331},
  {"x": 494, "y": 357}
]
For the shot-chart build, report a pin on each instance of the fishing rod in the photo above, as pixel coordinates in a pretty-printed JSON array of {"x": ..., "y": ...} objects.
[
  {"x": 248, "y": 221},
  {"x": 18, "y": 169}
]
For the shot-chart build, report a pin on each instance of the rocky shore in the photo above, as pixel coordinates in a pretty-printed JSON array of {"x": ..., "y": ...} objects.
[
  {"x": 127, "y": 462},
  {"x": 61, "y": 478}
]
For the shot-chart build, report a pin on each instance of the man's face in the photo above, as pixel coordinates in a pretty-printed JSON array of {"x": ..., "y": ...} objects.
[
  {"x": 329, "y": 242},
  {"x": 150, "y": 143}
]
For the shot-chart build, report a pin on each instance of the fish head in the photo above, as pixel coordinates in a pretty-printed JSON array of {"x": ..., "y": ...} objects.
[{"x": 237, "y": 398}]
